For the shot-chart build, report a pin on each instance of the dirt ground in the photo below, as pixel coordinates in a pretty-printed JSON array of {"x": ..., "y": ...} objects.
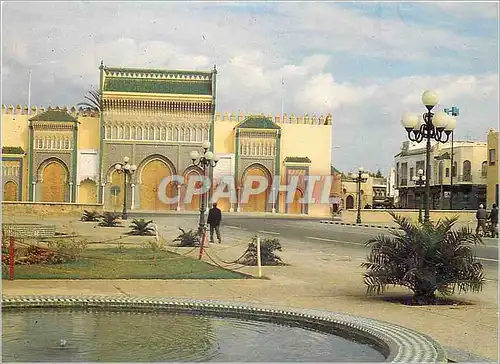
[{"x": 319, "y": 277}]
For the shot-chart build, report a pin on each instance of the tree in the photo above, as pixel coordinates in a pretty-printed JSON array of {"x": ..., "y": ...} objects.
[
  {"x": 93, "y": 101},
  {"x": 379, "y": 174},
  {"x": 425, "y": 258}
]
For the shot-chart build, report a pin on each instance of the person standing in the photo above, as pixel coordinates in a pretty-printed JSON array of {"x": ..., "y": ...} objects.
[
  {"x": 494, "y": 221},
  {"x": 481, "y": 216},
  {"x": 214, "y": 220}
]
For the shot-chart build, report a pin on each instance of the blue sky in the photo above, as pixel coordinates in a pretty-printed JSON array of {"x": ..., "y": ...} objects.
[{"x": 365, "y": 63}]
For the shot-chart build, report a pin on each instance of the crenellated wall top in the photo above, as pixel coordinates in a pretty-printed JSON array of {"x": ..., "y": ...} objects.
[
  {"x": 224, "y": 117},
  {"x": 286, "y": 119},
  {"x": 35, "y": 110}
]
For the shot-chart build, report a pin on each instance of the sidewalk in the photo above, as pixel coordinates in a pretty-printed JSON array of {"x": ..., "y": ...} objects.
[{"x": 319, "y": 277}]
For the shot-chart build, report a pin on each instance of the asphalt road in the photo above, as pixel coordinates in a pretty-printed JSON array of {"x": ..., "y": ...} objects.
[
  {"x": 346, "y": 236},
  {"x": 350, "y": 238}
]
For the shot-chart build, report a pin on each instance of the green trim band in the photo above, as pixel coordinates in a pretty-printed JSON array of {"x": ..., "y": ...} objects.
[{"x": 31, "y": 162}]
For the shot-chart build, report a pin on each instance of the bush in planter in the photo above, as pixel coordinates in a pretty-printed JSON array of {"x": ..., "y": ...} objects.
[
  {"x": 188, "y": 238},
  {"x": 109, "y": 219},
  {"x": 141, "y": 227},
  {"x": 426, "y": 258},
  {"x": 267, "y": 252},
  {"x": 90, "y": 215}
]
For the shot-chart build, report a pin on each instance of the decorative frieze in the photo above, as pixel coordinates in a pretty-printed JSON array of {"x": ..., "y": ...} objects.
[
  {"x": 163, "y": 132},
  {"x": 53, "y": 142}
]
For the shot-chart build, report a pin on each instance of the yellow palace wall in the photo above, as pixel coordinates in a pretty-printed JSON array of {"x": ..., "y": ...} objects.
[
  {"x": 297, "y": 140},
  {"x": 15, "y": 134}
]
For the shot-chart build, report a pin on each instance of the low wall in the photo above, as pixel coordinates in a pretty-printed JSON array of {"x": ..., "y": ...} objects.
[
  {"x": 10, "y": 208},
  {"x": 29, "y": 230},
  {"x": 383, "y": 217}
]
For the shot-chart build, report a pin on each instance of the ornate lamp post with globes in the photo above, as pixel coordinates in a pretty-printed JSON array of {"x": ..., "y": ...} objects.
[
  {"x": 128, "y": 170},
  {"x": 361, "y": 178},
  {"x": 437, "y": 126},
  {"x": 419, "y": 180},
  {"x": 205, "y": 160}
]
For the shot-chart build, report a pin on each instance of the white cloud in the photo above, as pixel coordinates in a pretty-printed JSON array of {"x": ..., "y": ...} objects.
[
  {"x": 471, "y": 9},
  {"x": 254, "y": 51}
]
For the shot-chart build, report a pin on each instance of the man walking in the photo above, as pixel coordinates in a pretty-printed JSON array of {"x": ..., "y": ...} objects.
[
  {"x": 481, "y": 216},
  {"x": 214, "y": 219},
  {"x": 494, "y": 221}
]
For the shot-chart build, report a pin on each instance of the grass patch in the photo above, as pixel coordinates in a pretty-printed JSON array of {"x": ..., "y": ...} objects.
[{"x": 129, "y": 263}]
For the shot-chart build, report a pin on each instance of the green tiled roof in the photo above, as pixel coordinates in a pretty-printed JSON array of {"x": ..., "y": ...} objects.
[
  {"x": 334, "y": 170},
  {"x": 12, "y": 150},
  {"x": 258, "y": 122},
  {"x": 152, "y": 71},
  {"x": 158, "y": 86},
  {"x": 298, "y": 159},
  {"x": 53, "y": 115}
]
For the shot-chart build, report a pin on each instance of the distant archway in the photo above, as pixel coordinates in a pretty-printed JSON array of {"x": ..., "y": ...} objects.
[
  {"x": 10, "y": 191},
  {"x": 296, "y": 207},
  {"x": 193, "y": 204},
  {"x": 256, "y": 202},
  {"x": 87, "y": 192},
  {"x": 349, "y": 202}
]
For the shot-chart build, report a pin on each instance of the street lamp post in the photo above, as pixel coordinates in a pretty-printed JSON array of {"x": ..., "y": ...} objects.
[
  {"x": 205, "y": 160},
  {"x": 437, "y": 126},
  {"x": 453, "y": 112},
  {"x": 361, "y": 178},
  {"x": 127, "y": 170},
  {"x": 419, "y": 180}
]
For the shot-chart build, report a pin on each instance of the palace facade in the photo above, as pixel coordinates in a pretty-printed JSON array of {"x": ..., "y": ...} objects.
[{"x": 156, "y": 118}]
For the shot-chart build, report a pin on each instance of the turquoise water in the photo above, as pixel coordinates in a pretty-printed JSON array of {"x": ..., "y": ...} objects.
[{"x": 57, "y": 335}]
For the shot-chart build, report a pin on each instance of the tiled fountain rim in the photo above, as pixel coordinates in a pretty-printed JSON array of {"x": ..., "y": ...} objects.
[{"x": 404, "y": 345}]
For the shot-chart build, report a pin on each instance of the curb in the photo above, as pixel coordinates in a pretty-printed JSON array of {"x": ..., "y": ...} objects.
[
  {"x": 398, "y": 344},
  {"x": 359, "y": 225}
]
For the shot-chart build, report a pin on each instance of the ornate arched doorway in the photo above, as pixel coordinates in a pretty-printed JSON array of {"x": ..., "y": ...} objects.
[
  {"x": 151, "y": 176},
  {"x": 87, "y": 192},
  {"x": 256, "y": 202},
  {"x": 295, "y": 207},
  {"x": 349, "y": 202},
  {"x": 10, "y": 191},
  {"x": 115, "y": 195},
  {"x": 54, "y": 178}
]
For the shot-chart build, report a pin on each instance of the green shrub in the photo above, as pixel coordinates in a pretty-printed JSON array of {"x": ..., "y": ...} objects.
[
  {"x": 267, "y": 252},
  {"x": 189, "y": 238},
  {"x": 427, "y": 258},
  {"x": 90, "y": 215},
  {"x": 109, "y": 219},
  {"x": 141, "y": 227}
]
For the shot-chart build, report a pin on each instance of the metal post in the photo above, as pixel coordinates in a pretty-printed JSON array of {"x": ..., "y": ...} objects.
[
  {"x": 201, "y": 224},
  {"x": 451, "y": 176},
  {"x": 358, "y": 218},
  {"x": 124, "y": 212},
  {"x": 259, "y": 262},
  {"x": 428, "y": 168}
]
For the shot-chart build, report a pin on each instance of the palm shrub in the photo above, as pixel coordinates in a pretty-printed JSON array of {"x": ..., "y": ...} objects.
[
  {"x": 141, "y": 227},
  {"x": 267, "y": 252},
  {"x": 426, "y": 258},
  {"x": 109, "y": 219},
  {"x": 187, "y": 238},
  {"x": 90, "y": 215}
]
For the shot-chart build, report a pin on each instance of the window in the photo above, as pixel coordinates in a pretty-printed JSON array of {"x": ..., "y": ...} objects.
[
  {"x": 411, "y": 173},
  {"x": 447, "y": 172},
  {"x": 454, "y": 169},
  {"x": 492, "y": 156},
  {"x": 467, "y": 170},
  {"x": 484, "y": 169},
  {"x": 440, "y": 172}
]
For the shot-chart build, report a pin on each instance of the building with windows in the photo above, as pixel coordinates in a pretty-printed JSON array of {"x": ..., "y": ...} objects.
[
  {"x": 373, "y": 192},
  {"x": 156, "y": 118},
  {"x": 464, "y": 179},
  {"x": 492, "y": 188}
]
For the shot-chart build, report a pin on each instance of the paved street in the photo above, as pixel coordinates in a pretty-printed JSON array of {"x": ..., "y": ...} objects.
[{"x": 350, "y": 238}]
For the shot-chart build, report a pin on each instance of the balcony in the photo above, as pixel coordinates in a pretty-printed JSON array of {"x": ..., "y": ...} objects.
[
  {"x": 403, "y": 182},
  {"x": 465, "y": 178}
]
